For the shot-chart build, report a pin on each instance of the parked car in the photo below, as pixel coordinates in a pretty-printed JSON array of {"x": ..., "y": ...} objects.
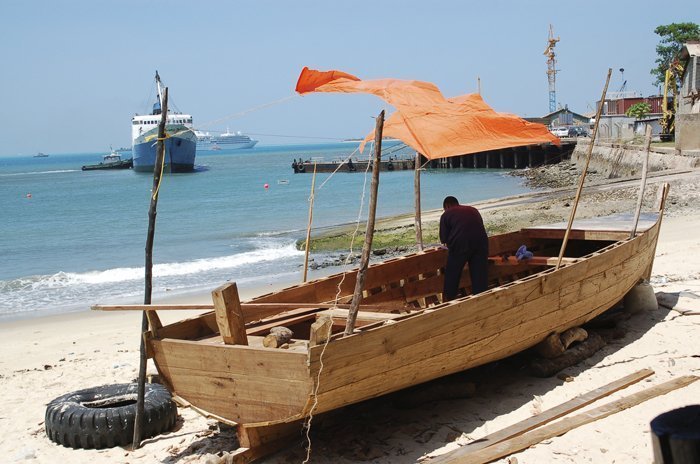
[
  {"x": 578, "y": 131},
  {"x": 560, "y": 131}
]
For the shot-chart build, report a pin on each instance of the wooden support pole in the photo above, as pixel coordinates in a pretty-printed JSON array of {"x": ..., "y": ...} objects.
[
  {"x": 229, "y": 316},
  {"x": 643, "y": 183},
  {"x": 416, "y": 197},
  {"x": 585, "y": 169},
  {"x": 147, "y": 316},
  {"x": 369, "y": 232},
  {"x": 308, "y": 227}
]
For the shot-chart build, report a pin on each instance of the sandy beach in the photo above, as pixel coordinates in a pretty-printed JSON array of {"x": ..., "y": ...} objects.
[{"x": 43, "y": 358}]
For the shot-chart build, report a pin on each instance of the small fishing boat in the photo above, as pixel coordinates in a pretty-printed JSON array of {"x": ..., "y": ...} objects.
[
  {"x": 221, "y": 363},
  {"x": 111, "y": 161},
  {"x": 41, "y": 155}
]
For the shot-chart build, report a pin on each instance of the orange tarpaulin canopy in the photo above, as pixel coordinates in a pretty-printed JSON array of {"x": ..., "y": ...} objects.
[{"x": 425, "y": 120}]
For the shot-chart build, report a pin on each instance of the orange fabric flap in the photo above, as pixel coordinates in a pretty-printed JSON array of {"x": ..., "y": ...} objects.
[{"x": 436, "y": 127}]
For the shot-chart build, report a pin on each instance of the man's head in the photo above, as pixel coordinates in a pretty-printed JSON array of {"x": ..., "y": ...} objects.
[{"x": 449, "y": 202}]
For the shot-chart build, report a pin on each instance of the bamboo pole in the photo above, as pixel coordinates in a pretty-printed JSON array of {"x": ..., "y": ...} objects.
[
  {"x": 157, "y": 171},
  {"x": 416, "y": 195},
  {"x": 645, "y": 168},
  {"x": 308, "y": 227},
  {"x": 247, "y": 306},
  {"x": 585, "y": 169},
  {"x": 369, "y": 232}
]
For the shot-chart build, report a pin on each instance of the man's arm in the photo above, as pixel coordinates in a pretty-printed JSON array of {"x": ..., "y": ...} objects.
[{"x": 444, "y": 232}]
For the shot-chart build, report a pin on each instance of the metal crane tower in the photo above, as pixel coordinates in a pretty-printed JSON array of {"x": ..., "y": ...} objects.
[{"x": 551, "y": 69}]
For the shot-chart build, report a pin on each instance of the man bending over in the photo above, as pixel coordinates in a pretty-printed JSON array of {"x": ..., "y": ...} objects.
[{"x": 462, "y": 231}]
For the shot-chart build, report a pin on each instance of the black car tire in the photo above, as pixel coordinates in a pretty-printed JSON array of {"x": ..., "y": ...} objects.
[{"x": 103, "y": 417}]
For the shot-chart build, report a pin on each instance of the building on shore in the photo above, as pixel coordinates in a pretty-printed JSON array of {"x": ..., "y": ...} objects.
[
  {"x": 562, "y": 117},
  {"x": 616, "y": 125}
]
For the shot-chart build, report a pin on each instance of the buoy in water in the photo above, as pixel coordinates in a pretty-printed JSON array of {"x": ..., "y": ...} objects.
[
  {"x": 29, "y": 195},
  {"x": 266, "y": 186}
]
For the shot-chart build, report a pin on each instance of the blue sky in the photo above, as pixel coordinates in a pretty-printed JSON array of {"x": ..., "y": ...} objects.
[{"x": 74, "y": 72}]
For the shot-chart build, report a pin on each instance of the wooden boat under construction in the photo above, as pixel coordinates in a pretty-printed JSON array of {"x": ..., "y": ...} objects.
[{"x": 404, "y": 334}]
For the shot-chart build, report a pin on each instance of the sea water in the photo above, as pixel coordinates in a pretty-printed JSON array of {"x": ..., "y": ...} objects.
[{"x": 71, "y": 238}]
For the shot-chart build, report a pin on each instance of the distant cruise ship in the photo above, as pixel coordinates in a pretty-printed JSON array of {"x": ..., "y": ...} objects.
[{"x": 225, "y": 141}]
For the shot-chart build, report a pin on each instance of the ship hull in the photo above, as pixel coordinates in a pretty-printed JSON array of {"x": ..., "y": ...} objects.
[{"x": 180, "y": 150}]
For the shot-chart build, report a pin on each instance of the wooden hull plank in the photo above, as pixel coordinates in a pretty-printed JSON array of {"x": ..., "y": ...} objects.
[
  {"x": 234, "y": 359},
  {"x": 238, "y": 398}
]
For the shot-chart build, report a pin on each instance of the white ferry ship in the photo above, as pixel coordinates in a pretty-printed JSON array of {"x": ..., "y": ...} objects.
[{"x": 180, "y": 144}]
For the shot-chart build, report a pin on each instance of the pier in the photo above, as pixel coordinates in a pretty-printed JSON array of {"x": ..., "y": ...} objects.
[
  {"x": 352, "y": 165},
  {"x": 529, "y": 156}
]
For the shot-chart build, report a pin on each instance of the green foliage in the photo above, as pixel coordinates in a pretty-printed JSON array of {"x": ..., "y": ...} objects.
[
  {"x": 638, "y": 110},
  {"x": 673, "y": 36}
]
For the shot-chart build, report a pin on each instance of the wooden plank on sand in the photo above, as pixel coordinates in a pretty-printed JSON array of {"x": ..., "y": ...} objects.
[
  {"x": 544, "y": 417},
  {"x": 519, "y": 443}
]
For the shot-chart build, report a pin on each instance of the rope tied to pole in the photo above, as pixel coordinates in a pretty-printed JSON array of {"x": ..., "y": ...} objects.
[{"x": 162, "y": 170}]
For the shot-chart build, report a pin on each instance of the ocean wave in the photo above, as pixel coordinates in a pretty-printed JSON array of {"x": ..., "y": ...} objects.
[
  {"x": 33, "y": 173},
  {"x": 67, "y": 279},
  {"x": 275, "y": 233}
]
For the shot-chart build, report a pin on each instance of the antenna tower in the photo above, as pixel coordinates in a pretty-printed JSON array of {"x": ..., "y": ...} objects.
[{"x": 551, "y": 69}]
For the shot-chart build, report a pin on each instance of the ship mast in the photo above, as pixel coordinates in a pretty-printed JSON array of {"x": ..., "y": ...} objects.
[{"x": 159, "y": 89}]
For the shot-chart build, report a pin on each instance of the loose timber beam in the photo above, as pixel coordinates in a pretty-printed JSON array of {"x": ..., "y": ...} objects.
[
  {"x": 519, "y": 443},
  {"x": 544, "y": 417}
]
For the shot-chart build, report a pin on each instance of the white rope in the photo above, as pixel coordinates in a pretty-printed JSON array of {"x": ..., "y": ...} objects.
[
  {"x": 239, "y": 114},
  {"x": 340, "y": 165},
  {"x": 309, "y": 419},
  {"x": 401, "y": 147},
  {"x": 249, "y": 110}
]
